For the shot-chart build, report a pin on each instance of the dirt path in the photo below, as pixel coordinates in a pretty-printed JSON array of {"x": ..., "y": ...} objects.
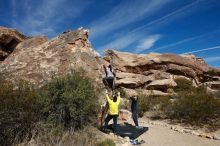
[
  {"x": 163, "y": 136},
  {"x": 160, "y": 135}
]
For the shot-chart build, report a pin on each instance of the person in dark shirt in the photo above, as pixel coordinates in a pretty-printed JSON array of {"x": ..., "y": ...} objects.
[{"x": 134, "y": 110}]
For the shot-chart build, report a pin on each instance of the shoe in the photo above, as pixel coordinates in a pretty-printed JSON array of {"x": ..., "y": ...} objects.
[{"x": 134, "y": 141}]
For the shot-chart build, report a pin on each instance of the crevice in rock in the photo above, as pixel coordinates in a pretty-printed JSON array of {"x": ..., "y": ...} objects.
[{"x": 7, "y": 47}]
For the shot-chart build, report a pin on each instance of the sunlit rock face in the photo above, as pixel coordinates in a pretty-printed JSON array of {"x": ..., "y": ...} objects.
[
  {"x": 38, "y": 59},
  {"x": 157, "y": 72}
]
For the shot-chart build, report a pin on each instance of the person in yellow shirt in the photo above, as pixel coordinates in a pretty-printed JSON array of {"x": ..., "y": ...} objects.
[{"x": 113, "y": 110}]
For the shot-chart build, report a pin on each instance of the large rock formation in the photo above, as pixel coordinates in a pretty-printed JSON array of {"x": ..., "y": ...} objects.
[
  {"x": 38, "y": 59},
  {"x": 9, "y": 38},
  {"x": 157, "y": 72}
]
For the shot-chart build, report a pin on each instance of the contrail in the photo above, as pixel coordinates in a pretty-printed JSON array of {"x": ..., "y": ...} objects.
[
  {"x": 196, "y": 51},
  {"x": 168, "y": 16},
  {"x": 187, "y": 40}
]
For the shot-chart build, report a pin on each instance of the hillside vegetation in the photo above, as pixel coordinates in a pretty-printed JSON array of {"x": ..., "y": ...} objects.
[
  {"x": 191, "y": 105},
  {"x": 65, "y": 103},
  {"x": 68, "y": 104}
]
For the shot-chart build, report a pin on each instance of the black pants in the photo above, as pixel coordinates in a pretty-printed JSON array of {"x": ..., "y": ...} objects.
[
  {"x": 135, "y": 118},
  {"x": 109, "y": 82},
  {"x": 108, "y": 118}
]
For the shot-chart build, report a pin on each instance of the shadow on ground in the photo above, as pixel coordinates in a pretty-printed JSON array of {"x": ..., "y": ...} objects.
[{"x": 129, "y": 130}]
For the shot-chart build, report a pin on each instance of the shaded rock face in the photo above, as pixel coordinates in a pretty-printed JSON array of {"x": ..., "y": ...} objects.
[
  {"x": 215, "y": 85},
  {"x": 38, "y": 59},
  {"x": 9, "y": 39},
  {"x": 133, "y": 92},
  {"x": 157, "y": 72}
]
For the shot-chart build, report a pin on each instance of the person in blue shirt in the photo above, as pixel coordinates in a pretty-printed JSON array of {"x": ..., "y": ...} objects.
[{"x": 134, "y": 110}]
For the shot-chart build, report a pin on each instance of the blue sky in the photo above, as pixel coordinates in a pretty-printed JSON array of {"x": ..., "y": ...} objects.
[{"x": 137, "y": 26}]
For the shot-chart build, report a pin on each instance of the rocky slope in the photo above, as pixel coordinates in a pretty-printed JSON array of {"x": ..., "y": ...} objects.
[{"x": 38, "y": 59}]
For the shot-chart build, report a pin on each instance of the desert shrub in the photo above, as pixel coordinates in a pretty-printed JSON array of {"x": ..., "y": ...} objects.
[
  {"x": 183, "y": 85},
  {"x": 19, "y": 110},
  {"x": 196, "y": 106},
  {"x": 59, "y": 137},
  {"x": 125, "y": 104},
  {"x": 70, "y": 101},
  {"x": 152, "y": 102},
  {"x": 213, "y": 72},
  {"x": 67, "y": 102},
  {"x": 122, "y": 93},
  {"x": 192, "y": 105},
  {"x": 218, "y": 94},
  {"x": 143, "y": 104},
  {"x": 106, "y": 142}
]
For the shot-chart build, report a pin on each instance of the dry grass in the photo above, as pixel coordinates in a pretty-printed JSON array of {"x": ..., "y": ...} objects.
[{"x": 90, "y": 136}]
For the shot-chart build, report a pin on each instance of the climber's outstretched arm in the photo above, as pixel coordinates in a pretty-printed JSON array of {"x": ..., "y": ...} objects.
[
  {"x": 119, "y": 97},
  {"x": 107, "y": 97}
]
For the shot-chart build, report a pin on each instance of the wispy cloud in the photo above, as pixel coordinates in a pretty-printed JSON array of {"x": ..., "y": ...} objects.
[
  {"x": 125, "y": 13},
  {"x": 202, "y": 50},
  {"x": 187, "y": 40},
  {"x": 147, "y": 43},
  {"x": 146, "y": 29},
  {"x": 212, "y": 59},
  {"x": 121, "y": 42},
  {"x": 44, "y": 16},
  {"x": 137, "y": 32}
]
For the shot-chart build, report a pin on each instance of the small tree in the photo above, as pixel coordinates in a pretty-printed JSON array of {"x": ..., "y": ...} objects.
[{"x": 70, "y": 101}]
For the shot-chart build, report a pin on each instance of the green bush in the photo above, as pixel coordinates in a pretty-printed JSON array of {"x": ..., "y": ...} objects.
[
  {"x": 65, "y": 102},
  {"x": 143, "y": 104},
  {"x": 194, "y": 105},
  {"x": 122, "y": 93},
  {"x": 70, "y": 101},
  {"x": 152, "y": 102},
  {"x": 106, "y": 142},
  {"x": 19, "y": 111},
  {"x": 213, "y": 72},
  {"x": 218, "y": 94},
  {"x": 183, "y": 85}
]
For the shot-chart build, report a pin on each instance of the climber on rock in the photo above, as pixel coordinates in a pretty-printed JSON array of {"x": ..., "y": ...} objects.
[{"x": 108, "y": 76}]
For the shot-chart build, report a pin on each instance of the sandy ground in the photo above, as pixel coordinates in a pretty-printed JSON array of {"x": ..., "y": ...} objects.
[{"x": 163, "y": 136}]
